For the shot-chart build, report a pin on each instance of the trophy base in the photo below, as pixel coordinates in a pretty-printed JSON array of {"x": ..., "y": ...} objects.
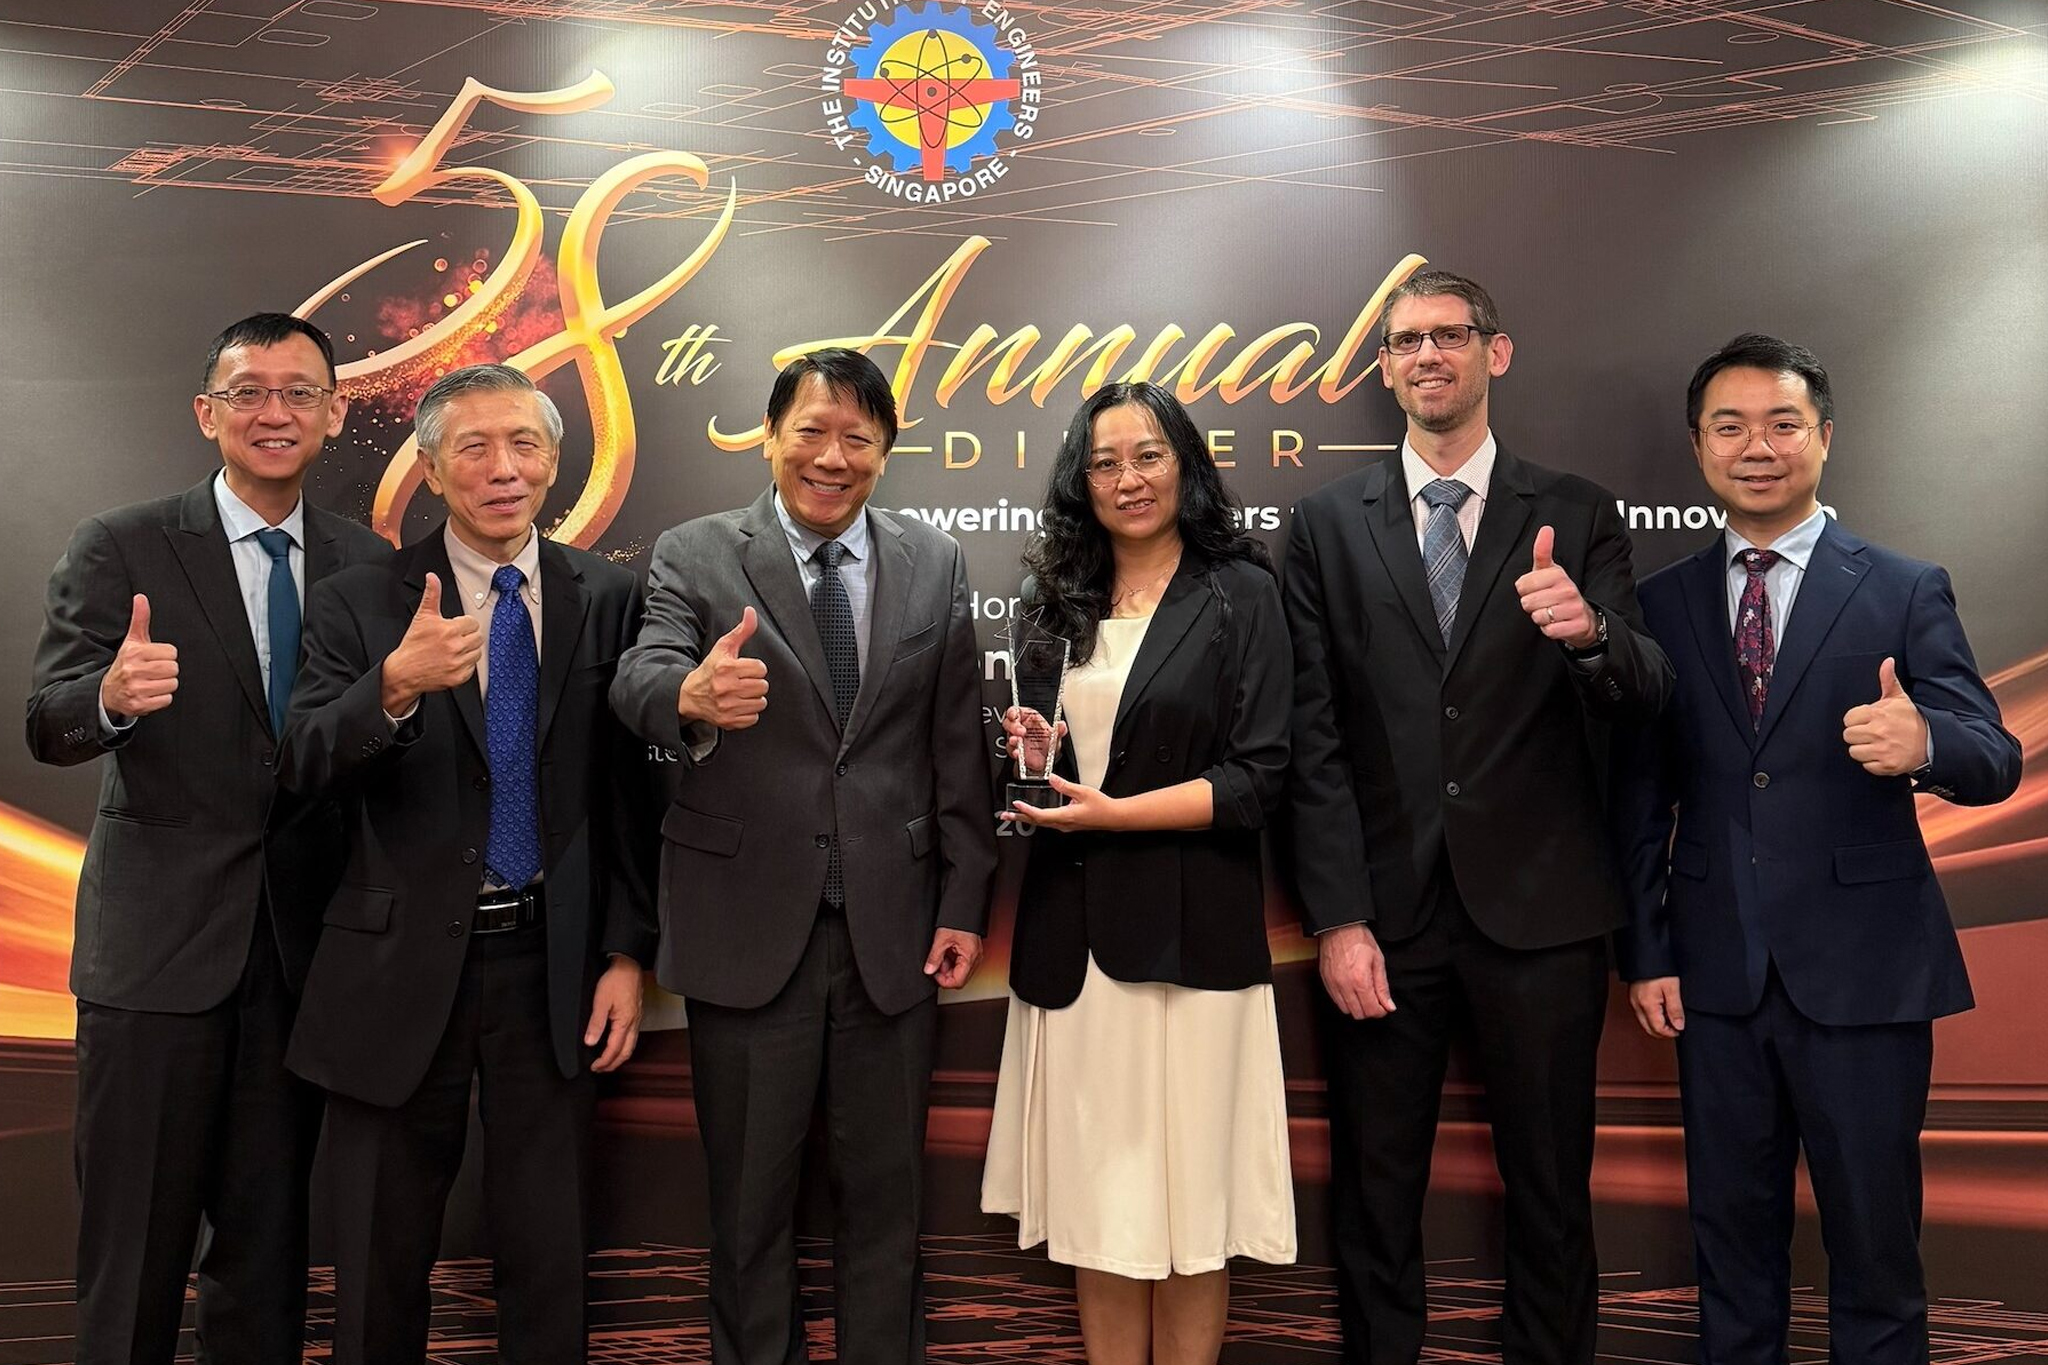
[{"x": 1032, "y": 793}]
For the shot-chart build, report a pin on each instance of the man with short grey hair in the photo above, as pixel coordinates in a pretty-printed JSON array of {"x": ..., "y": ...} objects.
[{"x": 495, "y": 910}]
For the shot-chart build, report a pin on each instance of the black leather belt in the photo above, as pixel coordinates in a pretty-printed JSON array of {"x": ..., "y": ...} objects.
[{"x": 500, "y": 912}]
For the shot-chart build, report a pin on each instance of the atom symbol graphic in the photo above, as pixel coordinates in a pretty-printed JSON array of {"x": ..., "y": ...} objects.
[{"x": 939, "y": 92}]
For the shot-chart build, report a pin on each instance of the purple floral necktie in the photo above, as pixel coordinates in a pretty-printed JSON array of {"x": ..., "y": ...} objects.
[{"x": 1756, "y": 646}]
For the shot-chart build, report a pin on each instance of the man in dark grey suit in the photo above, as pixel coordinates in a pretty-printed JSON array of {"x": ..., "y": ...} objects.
[
  {"x": 169, "y": 646},
  {"x": 826, "y": 856}
]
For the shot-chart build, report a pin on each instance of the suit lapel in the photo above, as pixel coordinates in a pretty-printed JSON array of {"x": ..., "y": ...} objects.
[
  {"x": 564, "y": 605},
  {"x": 432, "y": 557},
  {"x": 1392, "y": 529},
  {"x": 1179, "y": 605},
  {"x": 771, "y": 568},
  {"x": 201, "y": 545},
  {"x": 893, "y": 569},
  {"x": 1704, "y": 584},
  {"x": 1508, "y": 495},
  {"x": 1832, "y": 576}
]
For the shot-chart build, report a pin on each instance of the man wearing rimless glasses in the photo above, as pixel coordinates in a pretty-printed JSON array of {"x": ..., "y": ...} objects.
[
  {"x": 1786, "y": 925},
  {"x": 169, "y": 648}
]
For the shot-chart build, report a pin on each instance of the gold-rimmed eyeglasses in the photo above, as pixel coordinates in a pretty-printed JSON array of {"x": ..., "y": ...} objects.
[
  {"x": 1149, "y": 465},
  {"x": 1726, "y": 440}
]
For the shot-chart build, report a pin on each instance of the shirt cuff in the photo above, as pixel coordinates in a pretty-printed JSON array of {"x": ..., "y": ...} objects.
[
  {"x": 109, "y": 728},
  {"x": 395, "y": 721}
]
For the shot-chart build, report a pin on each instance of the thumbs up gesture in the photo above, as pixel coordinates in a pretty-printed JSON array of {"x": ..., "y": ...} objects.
[
  {"x": 727, "y": 689},
  {"x": 1887, "y": 736},
  {"x": 144, "y": 674},
  {"x": 437, "y": 652},
  {"x": 1552, "y": 599}
]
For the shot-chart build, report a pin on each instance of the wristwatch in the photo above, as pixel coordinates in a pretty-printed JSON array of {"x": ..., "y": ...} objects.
[{"x": 1600, "y": 640}]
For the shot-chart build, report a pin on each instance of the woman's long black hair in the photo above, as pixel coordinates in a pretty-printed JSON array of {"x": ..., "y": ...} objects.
[{"x": 1070, "y": 562}]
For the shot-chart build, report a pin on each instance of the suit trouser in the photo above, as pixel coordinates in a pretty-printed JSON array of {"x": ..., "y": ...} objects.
[
  {"x": 1757, "y": 1088},
  {"x": 756, "y": 1075},
  {"x": 393, "y": 1168},
  {"x": 1535, "y": 1019},
  {"x": 186, "y": 1119}
]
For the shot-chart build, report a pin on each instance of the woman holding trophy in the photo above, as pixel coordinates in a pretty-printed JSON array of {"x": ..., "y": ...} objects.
[{"x": 1140, "y": 1124}]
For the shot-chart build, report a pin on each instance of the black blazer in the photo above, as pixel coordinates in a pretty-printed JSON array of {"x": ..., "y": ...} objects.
[
  {"x": 191, "y": 834},
  {"x": 1494, "y": 748},
  {"x": 1207, "y": 697},
  {"x": 383, "y": 982}
]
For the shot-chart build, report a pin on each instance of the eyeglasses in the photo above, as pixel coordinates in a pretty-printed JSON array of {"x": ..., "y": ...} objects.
[
  {"x": 250, "y": 397},
  {"x": 1727, "y": 440},
  {"x": 1151, "y": 465},
  {"x": 1454, "y": 337}
]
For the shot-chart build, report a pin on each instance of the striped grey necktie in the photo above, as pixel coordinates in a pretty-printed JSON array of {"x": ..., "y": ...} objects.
[{"x": 1443, "y": 549}]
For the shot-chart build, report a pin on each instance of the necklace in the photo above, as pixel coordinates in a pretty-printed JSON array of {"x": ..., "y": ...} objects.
[{"x": 1126, "y": 591}]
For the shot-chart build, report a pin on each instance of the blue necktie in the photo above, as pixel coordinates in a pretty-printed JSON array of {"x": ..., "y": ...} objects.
[
  {"x": 1443, "y": 549},
  {"x": 284, "y": 623},
  {"x": 832, "y": 610},
  {"x": 511, "y": 728}
]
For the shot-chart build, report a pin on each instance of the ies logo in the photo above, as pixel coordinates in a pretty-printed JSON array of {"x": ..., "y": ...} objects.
[{"x": 921, "y": 93}]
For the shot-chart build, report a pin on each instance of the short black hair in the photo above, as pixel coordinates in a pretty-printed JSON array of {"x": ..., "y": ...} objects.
[
  {"x": 848, "y": 374},
  {"x": 1756, "y": 351},
  {"x": 266, "y": 329},
  {"x": 1436, "y": 283}
]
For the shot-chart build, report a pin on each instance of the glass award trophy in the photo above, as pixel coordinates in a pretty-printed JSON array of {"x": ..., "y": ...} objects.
[{"x": 1038, "y": 681}]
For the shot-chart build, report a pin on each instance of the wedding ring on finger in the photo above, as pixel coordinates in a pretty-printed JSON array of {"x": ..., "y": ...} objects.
[{"x": 1550, "y": 616}]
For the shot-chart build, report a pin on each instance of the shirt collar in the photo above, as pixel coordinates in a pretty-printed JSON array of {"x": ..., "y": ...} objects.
[
  {"x": 805, "y": 541},
  {"x": 241, "y": 521},
  {"x": 473, "y": 571},
  {"x": 1796, "y": 545},
  {"x": 1476, "y": 473}
]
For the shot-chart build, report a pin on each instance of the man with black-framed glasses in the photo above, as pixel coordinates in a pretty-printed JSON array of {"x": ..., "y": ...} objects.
[
  {"x": 1787, "y": 928},
  {"x": 169, "y": 648},
  {"x": 1465, "y": 629}
]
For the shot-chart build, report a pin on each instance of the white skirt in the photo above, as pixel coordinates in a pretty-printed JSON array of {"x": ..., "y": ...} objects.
[{"x": 1142, "y": 1130}]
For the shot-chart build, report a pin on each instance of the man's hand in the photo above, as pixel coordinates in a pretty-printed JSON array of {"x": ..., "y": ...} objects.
[
  {"x": 1889, "y": 736},
  {"x": 437, "y": 653},
  {"x": 1657, "y": 1006},
  {"x": 615, "y": 1004},
  {"x": 144, "y": 674},
  {"x": 1355, "y": 972},
  {"x": 953, "y": 957},
  {"x": 728, "y": 689},
  {"x": 1552, "y": 599}
]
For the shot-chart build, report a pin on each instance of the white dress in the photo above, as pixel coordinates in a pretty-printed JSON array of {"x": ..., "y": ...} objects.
[{"x": 1142, "y": 1130}]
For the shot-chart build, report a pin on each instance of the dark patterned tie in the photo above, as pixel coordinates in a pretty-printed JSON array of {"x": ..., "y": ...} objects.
[
  {"x": 284, "y": 623},
  {"x": 511, "y": 703},
  {"x": 1443, "y": 549},
  {"x": 1756, "y": 648},
  {"x": 833, "y": 612}
]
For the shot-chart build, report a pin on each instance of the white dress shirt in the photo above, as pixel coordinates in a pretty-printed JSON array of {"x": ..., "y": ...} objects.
[{"x": 1476, "y": 474}]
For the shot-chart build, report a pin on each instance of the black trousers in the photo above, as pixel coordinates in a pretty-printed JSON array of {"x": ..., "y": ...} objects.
[
  {"x": 1757, "y": 1088},
  {"x": 190, "y": 1124},
  {"x": 1535, "y": 1020},
  {"x": 393, "y": 1167},
  {"x": 756, "y": 1074}
]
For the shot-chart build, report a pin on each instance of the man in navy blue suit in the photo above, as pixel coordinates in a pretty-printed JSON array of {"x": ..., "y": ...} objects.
[{"x": 1787, "y": 927}]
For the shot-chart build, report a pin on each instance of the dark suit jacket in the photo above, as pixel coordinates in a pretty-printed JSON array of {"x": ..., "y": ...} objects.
[
  {"x": 396, "y": 932},
  {"x": 191, "y": 833},
  {"x": 1746, "y": 846},
  {"x": 1494, "y": 749},
  {"x": 1207, "y": 697},
  {"x": 907, "y": 786}
]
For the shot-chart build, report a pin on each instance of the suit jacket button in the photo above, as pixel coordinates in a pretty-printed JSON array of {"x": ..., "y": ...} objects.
[
  {"x": 482, "y": 783},
  {"x": 1451, "y": 789},
  {"x": 841, "y": 770},
  {"x": 1760, "y": 780},
  {"x": 822, "y": 840},
  {"x": 1450, "y": 713},
  {"x": 1164, "y": 754},
  {"x": 268, "y": 758},
  {"x": 455, "y": 928},
  {"x": 469, "y": 855}
]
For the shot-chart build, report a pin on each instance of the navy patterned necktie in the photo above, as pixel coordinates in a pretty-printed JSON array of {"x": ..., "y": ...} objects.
[
  {"x": 284, "y": 623},
  {"x": 511, "y": 729},
  {"x": 833, "y": 612},
  {"x": 1443, "y": 549},
  {"x": 1756, "y": 645}
]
